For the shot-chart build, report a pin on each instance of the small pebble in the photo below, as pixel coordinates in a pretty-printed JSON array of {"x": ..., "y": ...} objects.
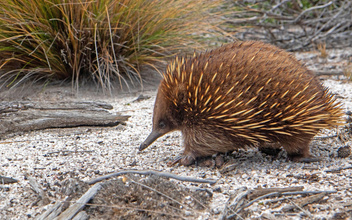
[{"x": 344, "y": 152}]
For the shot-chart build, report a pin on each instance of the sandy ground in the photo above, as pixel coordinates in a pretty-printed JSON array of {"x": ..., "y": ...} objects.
[{"x": 54, "y": 155}]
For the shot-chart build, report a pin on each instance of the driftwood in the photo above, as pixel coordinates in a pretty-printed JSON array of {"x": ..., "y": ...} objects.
[{"x": 18, "y": 117}]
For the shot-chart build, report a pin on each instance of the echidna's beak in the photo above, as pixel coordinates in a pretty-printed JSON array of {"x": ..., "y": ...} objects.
[{"x": 150, "y": 139}]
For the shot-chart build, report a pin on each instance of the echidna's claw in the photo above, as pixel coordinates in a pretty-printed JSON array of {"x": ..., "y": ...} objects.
[
  {"x": 175, "y": 161},
  {"x": 184, "y": 160}
]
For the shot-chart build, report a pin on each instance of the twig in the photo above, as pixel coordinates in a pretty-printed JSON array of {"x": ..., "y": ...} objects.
[
  {"x": 7, "y": 180},
  {"x": 151, "y": 172},
  {"x": 338, "y": 169},
  {"x": 237, "y": 201},
  {"x": 303, "y": 202},
  {"x": 310, "y": 9},
  {"x": 308, "y": 192},
  {"x": 278, "y": 5},
  {"x": 240, "y": 206},
  {"x": 263, "y": 191},
  {"x": 259, "y": 198},
  {"x": 300, "y": 208}
]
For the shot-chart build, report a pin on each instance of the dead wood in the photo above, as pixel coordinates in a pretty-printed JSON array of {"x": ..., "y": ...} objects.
[
  {"x": 244, "y": 198},
  {"x": 292, "y": 25},
  {"x": 151, "y": 172},
  {"x": 44, "y": 200},
  {"x": 81, "y": 216},
  {"x": 52, "y": 212},
  {"x": 338, "y": 169},
  {"x": 24, "y": 116},
  {"x": 304, "y": 201},
  {"x": 7, "y": 180},
  {"x": 263, "y": 191},
  {"x": 79, "y": 205}
]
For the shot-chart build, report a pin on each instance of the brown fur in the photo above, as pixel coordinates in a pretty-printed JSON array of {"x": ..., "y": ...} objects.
[{"x": 242, "y": 94}]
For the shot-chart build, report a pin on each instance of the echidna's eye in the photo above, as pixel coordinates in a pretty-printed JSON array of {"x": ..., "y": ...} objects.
[{"x": 162, "y": 124}]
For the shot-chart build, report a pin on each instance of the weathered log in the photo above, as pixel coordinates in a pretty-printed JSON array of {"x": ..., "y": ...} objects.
[{"x": 24, "y": 116}]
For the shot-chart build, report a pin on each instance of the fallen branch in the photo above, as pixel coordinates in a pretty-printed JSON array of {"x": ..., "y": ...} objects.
[
  {"x": 79, "y": 205},
  {"x": 18, "y": 117},
  {"x": 151, "y": 172}
]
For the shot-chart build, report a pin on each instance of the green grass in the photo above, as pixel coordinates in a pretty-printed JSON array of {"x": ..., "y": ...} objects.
[{"x": 103, "y": 40}]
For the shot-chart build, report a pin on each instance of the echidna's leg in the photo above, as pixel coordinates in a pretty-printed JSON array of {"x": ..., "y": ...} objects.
[
  {"x": 185, "y": 159},
  {"x": 297, "y": 148},
  {"x": 188, "y": 157}
]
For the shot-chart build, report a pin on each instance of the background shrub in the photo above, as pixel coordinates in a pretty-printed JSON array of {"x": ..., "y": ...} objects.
[{"x": 103, "y": 40}]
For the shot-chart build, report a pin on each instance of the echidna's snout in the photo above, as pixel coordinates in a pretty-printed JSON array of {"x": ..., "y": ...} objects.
[{"x": 150, "y": 139}]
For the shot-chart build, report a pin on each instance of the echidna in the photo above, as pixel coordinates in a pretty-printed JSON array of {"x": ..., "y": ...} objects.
[{"x": 242, "y": 94}]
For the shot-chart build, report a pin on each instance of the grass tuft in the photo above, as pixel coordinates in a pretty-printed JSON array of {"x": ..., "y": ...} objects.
[{"x": 103, "y": 40}]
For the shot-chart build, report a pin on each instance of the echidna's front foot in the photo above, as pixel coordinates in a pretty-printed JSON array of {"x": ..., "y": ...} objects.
[
  {"x": 209, "y": 161},
  {"x": 185, "y": 160}
]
